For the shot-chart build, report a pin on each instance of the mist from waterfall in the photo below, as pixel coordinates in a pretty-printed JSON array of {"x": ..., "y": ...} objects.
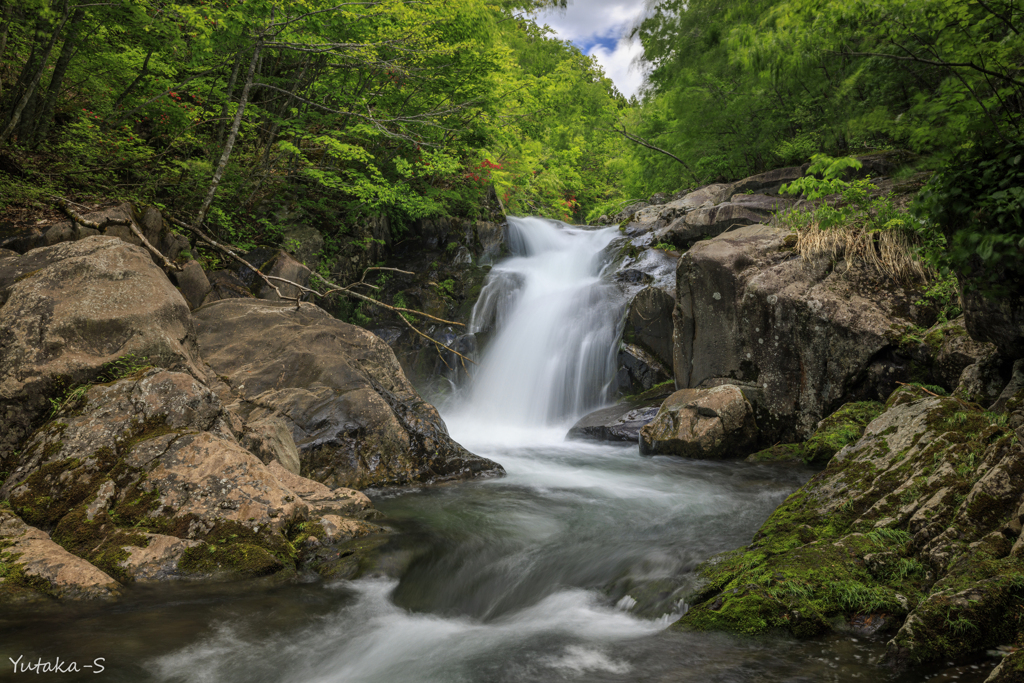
[{"x": 553, "y": 324}]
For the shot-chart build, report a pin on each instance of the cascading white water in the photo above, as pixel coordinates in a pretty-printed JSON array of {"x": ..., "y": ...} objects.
[{"x": 555, "y": 324}]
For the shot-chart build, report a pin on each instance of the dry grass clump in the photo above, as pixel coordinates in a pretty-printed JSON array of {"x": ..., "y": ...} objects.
[{"x": 890, "y": 252}]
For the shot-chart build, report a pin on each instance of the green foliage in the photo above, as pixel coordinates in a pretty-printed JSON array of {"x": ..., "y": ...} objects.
[
  {"x": 975, "y": 205},
  {"x": 407, "y": 110}
]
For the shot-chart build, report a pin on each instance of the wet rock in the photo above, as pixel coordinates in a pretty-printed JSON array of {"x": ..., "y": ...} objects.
[
  {"x": 649, "y": 323},
  {"x": 702, "y": 423},
  {"x": 617, "y": 423},
  {"x": 354, "y": 416},
  {"x": 638, "y": 370},
  {"x": 1009, "y": 670},
  {"x": 68, "y": 310},
  {"x": 33, "y": 566},
  {"x": 194, "y": 284}
]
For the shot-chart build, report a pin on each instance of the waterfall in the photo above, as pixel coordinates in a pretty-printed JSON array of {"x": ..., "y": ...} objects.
[{"x": 553, "y": 324}]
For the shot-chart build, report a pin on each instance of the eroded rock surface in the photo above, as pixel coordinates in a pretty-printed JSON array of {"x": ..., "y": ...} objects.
[
  {"x": 811, "y": 334},
  {"x": 33, "y": 566}
]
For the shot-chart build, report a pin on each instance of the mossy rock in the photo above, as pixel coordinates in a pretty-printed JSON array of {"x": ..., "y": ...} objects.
[
  {"x": 236, "y": 560},
  {"x": 836, "y": 431},
  {"x": 915, "y": 520}
]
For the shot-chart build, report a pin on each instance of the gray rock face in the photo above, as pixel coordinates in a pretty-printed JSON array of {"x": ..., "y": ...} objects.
[
  {"x": 810, "y": 336},
  {"x": 194, "y": 284},
  {"x": 649, "y": 323},
  {"x": 708, "y": 222},
  {"x": 304, "y": 243},
  {"x": 354, "y": 416},
  {"x": 284, "y": 266},
  {"x": 225, "y": 284},
  {"x": 933, "y": 486},
  {"x": 638, "y": 370},
  {"x": 999, "y": 321},
  {"x": 770, "y": 182},
  {"x": 69, "y": 309},
  {"x": 618, "y": 423},
  {"x": 702, "y": 423},
  {"x": 138, "y": 474}
]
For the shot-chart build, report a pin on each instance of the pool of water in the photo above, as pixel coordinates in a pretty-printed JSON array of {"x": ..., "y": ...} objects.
[{"x": 543, "y": 575}]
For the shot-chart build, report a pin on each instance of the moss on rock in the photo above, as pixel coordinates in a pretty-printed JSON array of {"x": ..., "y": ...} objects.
[
  {"x": 915, "y": 521},
  {"x": 836, "y": 431}
]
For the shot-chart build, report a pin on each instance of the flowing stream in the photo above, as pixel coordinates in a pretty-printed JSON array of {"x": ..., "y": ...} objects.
[{"x": 570, "y": 568}]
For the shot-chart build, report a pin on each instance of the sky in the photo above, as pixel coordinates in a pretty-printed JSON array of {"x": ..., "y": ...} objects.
[{"x": 598, "y": 27}]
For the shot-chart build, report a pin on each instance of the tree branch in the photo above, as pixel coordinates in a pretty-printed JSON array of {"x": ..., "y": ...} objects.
[
  {"x": 97, "y": 225},
  {"x": 643, "y": 143}
]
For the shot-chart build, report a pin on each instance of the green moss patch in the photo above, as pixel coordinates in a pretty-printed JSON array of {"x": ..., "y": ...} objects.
[
  {"x": 240, "y": 559},
  {"x": 841, "y": 428}
]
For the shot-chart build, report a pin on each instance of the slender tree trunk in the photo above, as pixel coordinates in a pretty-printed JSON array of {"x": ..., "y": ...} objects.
[
  {"x": 138, "y": 79},
  {"x": 4, "y": 31},
  {"x": 32, "y": 83},
  {"x": 67, "y": 51},
  {"x": 222, "y": 127},
  {"x": 232, "y": 136}
]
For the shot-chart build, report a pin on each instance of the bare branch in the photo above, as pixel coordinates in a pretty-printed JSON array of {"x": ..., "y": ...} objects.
[
  {"x": 643, "y": 143},
  {"x": 96, "y": 225}
]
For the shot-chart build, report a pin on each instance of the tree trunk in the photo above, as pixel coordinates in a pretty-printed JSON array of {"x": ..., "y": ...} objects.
[
  {"x": 138, "y": 79},
  {"x": 4, "y": 31},
  {"x": 222, "y": 127},
  {"x": 32, "y": 83},
  {"x": 232, "y": 136},
  {"x": 67, "y": 51}
]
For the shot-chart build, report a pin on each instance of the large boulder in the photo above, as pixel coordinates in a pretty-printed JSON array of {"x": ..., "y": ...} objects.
[
  {"x": 285, "y": 267},
  {"x": 916, "y": 527},
  {"x": 144, "y": 479},
  {"x": 356, "y": 419},
  {"x": 702, "y": 423},
  {"x": 708, "y": 222},
  {"x": 69, "y": 311},
  {"x": 812, "y": 334}
]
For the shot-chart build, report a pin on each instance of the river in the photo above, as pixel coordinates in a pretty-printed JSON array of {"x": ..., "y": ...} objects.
[{"x": 570, "y": 568}]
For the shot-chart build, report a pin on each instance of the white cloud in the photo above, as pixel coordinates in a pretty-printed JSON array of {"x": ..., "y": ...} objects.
[
  {"x": 585, "y": 22},
  {"x": 619, "y": 64}
]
